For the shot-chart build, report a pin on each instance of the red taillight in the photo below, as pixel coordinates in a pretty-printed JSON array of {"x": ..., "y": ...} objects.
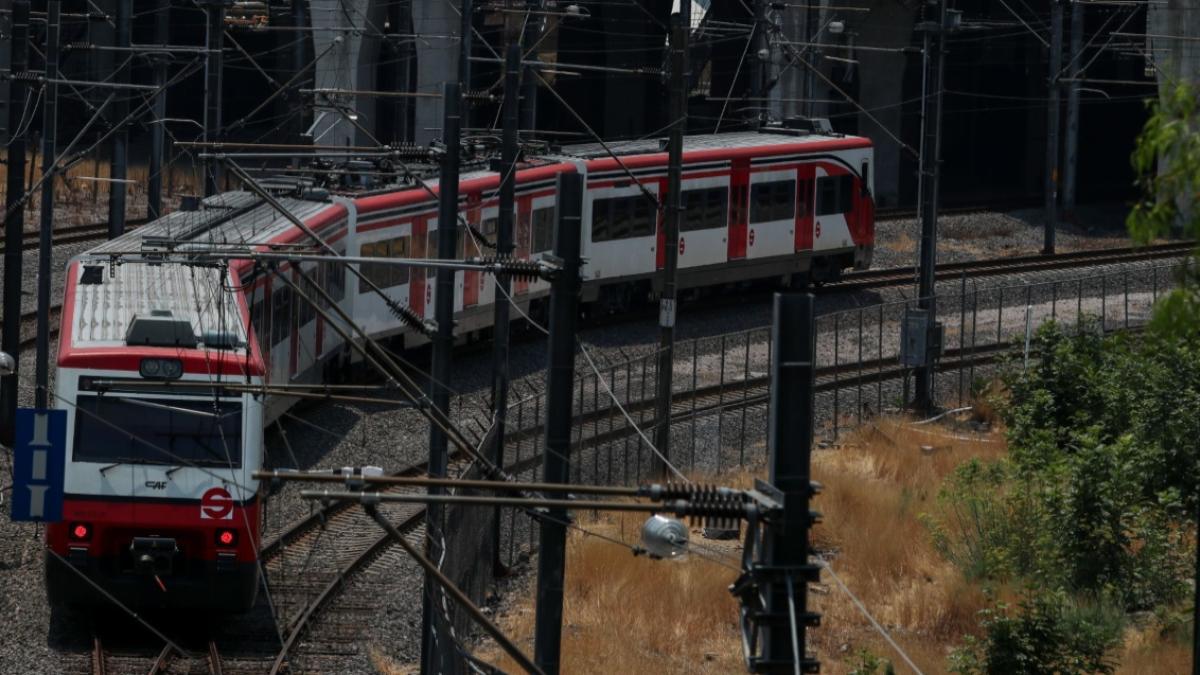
[
  {"x": 81, "y": 531},
  {"x": 226, "y": 537}
]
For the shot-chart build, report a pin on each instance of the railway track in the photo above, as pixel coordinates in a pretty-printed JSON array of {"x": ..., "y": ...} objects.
[
  {"x": 73, "y": 234},
  {"x": 899, "y": 276}
]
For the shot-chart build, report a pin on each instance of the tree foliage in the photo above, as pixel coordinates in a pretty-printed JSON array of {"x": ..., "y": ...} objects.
[
  {"x": 1166, "y": 160},
  {"x": 1091, "y": 511}
]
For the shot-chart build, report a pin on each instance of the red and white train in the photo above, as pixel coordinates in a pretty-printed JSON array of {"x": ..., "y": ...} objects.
[{"x": 161, "y": 508}]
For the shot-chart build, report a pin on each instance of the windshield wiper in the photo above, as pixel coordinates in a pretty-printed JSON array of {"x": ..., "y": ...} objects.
[{"x": 172, "y": 408}]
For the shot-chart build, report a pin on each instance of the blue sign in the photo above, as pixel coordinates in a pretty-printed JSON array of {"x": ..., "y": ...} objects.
[{"x": 39, "y": 462}]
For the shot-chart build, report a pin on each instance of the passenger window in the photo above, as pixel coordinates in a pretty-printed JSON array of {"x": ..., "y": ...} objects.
[
  {"x": 773, "y": 201},
  {"x": 835, "y": 194},
  {"x": 704, "y": 209},
  {"x": 623, "y": 218},
  {"x": 543, "y": 230},
  {"x": 398, "y": 275}
]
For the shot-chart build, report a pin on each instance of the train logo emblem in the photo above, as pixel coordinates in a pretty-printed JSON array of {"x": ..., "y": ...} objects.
[
  {"x": 818, "y": 230},
  {"x": 681, "y": 246},
  {"x": 216, "y": 504},
  {"x": 751, "y": 237}
]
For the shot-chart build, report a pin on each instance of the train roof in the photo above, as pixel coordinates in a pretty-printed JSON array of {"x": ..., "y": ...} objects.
[
  {"x": 716, "y": 143},
  {"x": 106, "y": 300},
  {"x": 230, "y": 218}
]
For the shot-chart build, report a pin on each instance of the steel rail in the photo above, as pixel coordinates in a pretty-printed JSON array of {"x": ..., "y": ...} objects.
[{"x": 298, "y": 625}]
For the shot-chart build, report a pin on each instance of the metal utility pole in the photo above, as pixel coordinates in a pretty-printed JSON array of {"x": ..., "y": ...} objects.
[
  {"x": 934, "y": 54},
  {"x": 120, "y": 141},
  {"x": 504, "y": 247},
  {"x": 1072, "y": 169},
  {"x": 14, "y": 209},
  {"x": 213, "y": 64},
  {"x": 560, "y": 374},
  {"x": 158, "y": 130},
  {"x": 49, "y": 166},
  {"x": 785, "y": 549},
  {"x": 434, "y": 650},
  {"x": 671, "y": 222},
  {"x": 1053, "y": 113}
]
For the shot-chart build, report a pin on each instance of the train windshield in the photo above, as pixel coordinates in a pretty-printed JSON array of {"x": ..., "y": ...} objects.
[{"x": 179, "y": 432}]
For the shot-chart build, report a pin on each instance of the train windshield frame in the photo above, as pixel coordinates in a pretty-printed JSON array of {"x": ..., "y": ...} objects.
[{"x": 176, "y": 431}]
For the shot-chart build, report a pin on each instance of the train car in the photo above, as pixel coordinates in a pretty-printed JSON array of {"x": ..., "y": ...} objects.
[{"x": 159, "y": 358}]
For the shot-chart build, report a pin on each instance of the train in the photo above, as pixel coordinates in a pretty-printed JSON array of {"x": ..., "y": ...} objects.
[{"x": 159, "y": 357}]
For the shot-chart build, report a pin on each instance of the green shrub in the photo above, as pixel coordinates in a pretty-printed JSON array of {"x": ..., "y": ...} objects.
[{"x": 1047, "y": 634}]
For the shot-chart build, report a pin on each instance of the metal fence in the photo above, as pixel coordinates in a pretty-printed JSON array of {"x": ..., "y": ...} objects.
[{"x": 719, "y": 418}]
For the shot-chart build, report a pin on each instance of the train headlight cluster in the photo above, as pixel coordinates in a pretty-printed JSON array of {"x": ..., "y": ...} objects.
[{"x": 160, "y": 369}]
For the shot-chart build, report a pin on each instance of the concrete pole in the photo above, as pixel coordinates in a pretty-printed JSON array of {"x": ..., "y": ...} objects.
[
  {"x": 118, "y": 163},
  {"x": 1053, "y": 113},
  {"x": 14, "y": 223},
  {"x": 789, "y": 445},
  {"x": 671, "y": 225},
  {"x": 435, "y": 649},
  {"x": 158, "y": 130},
  {"x": 215, "y": 41},
  {"x": 935, "y": 42},
  {"x": 1071, "y": 173},
  {"x": 504, "y": 246},
  {"x": 45, "y": 243},
  {"x": 560, "y": 374}
]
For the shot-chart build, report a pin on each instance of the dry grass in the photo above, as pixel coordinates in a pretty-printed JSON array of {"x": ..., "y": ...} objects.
[
  {"x": 1147, "y": 652},
  {"x": 626, "y": 614},
  {"x": 876, "y": 488},
  {"x": 903, "y": 242}
]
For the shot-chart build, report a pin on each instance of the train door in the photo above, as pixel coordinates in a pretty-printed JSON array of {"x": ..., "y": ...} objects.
[
  {"x": 739, "y": 183},
  {"x": 416, "y": 276},
  {"x": 469, "y": 247},
  {"x": 835, "y": 197},
  {"x": 805, "y": 194},
  {"x": 772, "y": 222}
]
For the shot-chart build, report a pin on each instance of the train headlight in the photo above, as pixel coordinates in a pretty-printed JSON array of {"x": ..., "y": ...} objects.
[
  {"x": 80, "y": 531},
  {"x": 160, "y": 369},
  {"x": 226, "y": 538}
]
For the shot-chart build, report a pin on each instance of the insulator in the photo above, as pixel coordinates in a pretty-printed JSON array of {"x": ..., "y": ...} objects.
[
  {"x": 665, "y": 537},
  {"x": 407, "y": 316}
]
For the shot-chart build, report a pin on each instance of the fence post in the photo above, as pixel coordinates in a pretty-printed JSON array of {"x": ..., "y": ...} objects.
[{"x": 962, "y": 331}]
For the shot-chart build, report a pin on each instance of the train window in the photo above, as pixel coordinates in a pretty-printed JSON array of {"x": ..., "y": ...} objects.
[
  {"x": 256, "y": 321},
  {"x": 281, "y": 304},
  {"x": 835, "y": 194},
  {"x": 543, "y": 230},
  {"x": 623, "y": 218},
  {"x": 773, "y": 201},
  {"x": 431, "y": 249},
  {"x": 158, "y": 431},
  {"x": 489, "y": 226},
  {"x": 398, "y": 249},
  {"x": 337, "y": 281},
  {"x": 704, "y": 209},
  {"x": 366, "y": 270},
  {"x": 305, "y": 311}
]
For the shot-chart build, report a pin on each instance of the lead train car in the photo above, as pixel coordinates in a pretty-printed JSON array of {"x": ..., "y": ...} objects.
[{"x": 156, "y": 361}]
